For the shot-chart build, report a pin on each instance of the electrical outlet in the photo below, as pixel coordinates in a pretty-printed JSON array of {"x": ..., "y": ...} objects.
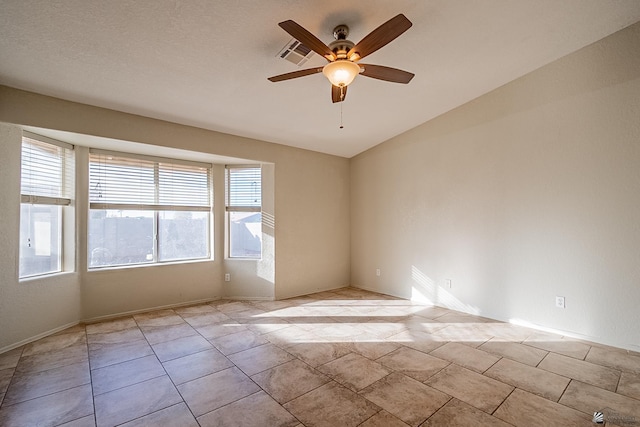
[
  {"x": 447, "y": 283},
  {"x": 560, "y": 302},
  {"x": 377, "y": 272},
  {"x": 227, "y": 277}
]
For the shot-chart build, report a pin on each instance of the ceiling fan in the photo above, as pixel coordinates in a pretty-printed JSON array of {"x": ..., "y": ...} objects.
[{"x": 343, "y": 55}]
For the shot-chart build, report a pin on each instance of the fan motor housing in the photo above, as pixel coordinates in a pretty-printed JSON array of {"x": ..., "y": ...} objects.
[{"x": 340, "y": 46}]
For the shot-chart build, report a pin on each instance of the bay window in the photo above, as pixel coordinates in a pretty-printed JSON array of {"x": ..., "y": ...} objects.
[
  {"x": 146, "y": 210},
  {"x": 46, "y": 188},
  {"x": 244, "y": 211}
]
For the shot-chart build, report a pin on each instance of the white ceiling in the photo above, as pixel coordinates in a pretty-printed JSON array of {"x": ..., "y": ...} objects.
[{"x": 206, "y": 63}]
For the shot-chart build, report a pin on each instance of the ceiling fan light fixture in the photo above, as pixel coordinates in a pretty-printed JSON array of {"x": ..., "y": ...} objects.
[{"x": 341, "y": 72}]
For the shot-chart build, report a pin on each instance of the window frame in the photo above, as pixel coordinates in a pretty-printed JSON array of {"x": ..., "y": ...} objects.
[
  {"x": 63, "y": 199},
  {"x": 231, "y": 208},
  {"x": 156, "y": 208}
]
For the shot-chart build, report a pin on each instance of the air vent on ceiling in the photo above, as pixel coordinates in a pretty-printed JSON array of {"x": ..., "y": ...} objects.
[{"x": 295, "y": 52}]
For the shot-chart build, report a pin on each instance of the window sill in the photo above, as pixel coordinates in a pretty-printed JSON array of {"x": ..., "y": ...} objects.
[
  {"x": 43, "y": 277},
  {"x": 150, "y": 265}
]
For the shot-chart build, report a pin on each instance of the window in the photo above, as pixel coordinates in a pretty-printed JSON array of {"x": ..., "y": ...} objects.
[
  {"x": 46, "y": 187},
  {"x": 146, "y": 210},
  {"x": 244, "y": 211}
]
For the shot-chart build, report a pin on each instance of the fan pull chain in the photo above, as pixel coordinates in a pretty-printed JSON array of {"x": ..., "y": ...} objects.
[{"x": 341, "y": 125}]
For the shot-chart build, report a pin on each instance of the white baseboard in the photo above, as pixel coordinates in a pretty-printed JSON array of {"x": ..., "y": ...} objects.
[
  {"x": 246, "y": 298},
  {"x": 574, "y": 335},
  {"x": 146, "y": 310},
  {"x": 37, "y": 337}
]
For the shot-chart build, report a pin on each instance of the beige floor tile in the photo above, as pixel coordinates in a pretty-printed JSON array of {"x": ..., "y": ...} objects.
[
  {"x": 198, "y": 320},
  {"x": 420, "y": 324},
  {"x": 52, "y": 409},
  {"x": 418, "y": 340},
  {"x": 466, "y": 356},
  {"x": 248, "y": 315},
  {"x": 180, "y": 347},
  {"x": 567, "y": 347},
  {"x": 372, "y": 349},
  {"x": 26, "y": 386},
  {"x": 381, "y": 328},
  {"x": 88, "y": 421},
  {"x": 260, "y": 358},
  {"x": 505, "y": 332},
  {"x": 535, "y": 380},
  {"x": 615, "y": 358},
  {"x": 276, "y": 338},
  {"x": 264, "y": 325},
  {"x": 53, "y": 359},
  {"x": 587, "y": 398},
  {"x": 101, "y": 355},
  {"x": 54, "y": 343},
  {"x": 459, "y": 414},
  {"x": 383, "y": 419},
  {"x": 430, "y": 312},
  {"x": 475, "y": 389},
  {"x": 319, "y": 353},
  {"x": 515, "y": 351},
  {"x": 291, "y": 336},
  {"x": 10, "y": 358},
  {"x": 463, "y": 333},
  {"x": 111, "y": 325},
  {"x": 331, "y": 405},
  {"x": 354, "y": 371},
  {"x": 629, "y": 385},
  {"x": 5, "y": 378},
  {"x": 196, "y": 365},
  {"x": 213, "y": 391},
  {"x": 337, "y": 332},
  {"x": 221, "y": 329},
  {"x": 256, "y": 410},
  {"x": 580, "y": 370},
  {"x": 289, "y": 380},
  {"x": 173, "y": 416},
  {"x": 124, "y": 374},
  {"x": 158, "y": 318},
  {"x": 158, "y": 334},
  {"x": 131, "y": 402},
  {"x": 272, "y": 306},
  {"x": 525, "y": 409},
  {"x": 406, "y": 398},
  {"x": 414, "y": 363},
  {"x": 229, "y": 307},
  {"x": 239, "y": 341},
  {"x": 195, "y": 309},
  {"x": 79, "y": 327},
  {"x": 113, "y": 337}
]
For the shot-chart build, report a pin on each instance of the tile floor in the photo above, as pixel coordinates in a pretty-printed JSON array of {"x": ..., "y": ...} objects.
[{"x": 342, "y": 358}]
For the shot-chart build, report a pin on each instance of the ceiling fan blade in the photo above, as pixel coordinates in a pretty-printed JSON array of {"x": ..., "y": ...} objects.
[
  {"x": 381, "y": 36},
  {"x": 338, "y": 94},
  {"x": 295, "y": 74},
  {"x": 388, "y": 74},
  {"x": 308, "y": 39}
]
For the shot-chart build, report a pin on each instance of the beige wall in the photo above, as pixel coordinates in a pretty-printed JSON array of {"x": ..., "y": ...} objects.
[
  {"x": 307, "y": 246},
  {"x": 26, "y": 308},
  {"x": 526, "y": 193}
]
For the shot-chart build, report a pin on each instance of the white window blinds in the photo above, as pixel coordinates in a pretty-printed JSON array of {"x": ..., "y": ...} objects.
[
  {"x": 123, "y": 181},
  {"x": 244, "y": 188},
  {"x": 47, "y": 171}
]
